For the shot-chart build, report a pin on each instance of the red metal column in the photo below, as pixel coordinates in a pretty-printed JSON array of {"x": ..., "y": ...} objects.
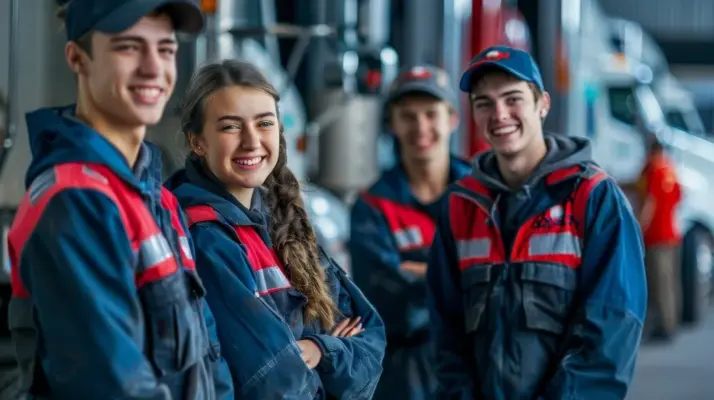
[{"x": 486, "y": 30}]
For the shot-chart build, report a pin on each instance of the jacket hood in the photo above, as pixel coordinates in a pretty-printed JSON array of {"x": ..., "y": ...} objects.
[
  {"x": 196, "y": 185},
  {"x": 56, "y": 136},
  {"x": 563, "y": 152}
]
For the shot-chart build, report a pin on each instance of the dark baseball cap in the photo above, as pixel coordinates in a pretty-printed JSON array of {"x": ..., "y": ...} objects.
[
  {"x": 426, "y": 79},
  {"x": 114, "y": 16},
  {"x": 516, "y": 62}
]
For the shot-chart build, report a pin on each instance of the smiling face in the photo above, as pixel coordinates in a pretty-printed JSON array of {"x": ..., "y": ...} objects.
[
  {"x": 508, "y": 113},
  {"x": 129, "y": 76},
  {"x": 423, "y": 125},
  {"x": 240, "y": 137}
]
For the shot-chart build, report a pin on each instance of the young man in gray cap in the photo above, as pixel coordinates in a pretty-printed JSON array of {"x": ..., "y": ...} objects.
[
  {"x": 536, "y": 276},
  {"x": 393, "y": 225},
  {"x": 106, "y": 300}
]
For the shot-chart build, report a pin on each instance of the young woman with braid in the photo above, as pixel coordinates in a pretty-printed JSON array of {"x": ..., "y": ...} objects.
[{"x": 290, "y": 323}]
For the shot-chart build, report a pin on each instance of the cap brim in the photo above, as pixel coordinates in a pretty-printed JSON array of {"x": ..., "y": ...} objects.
[
  {"x": 417, "y": 87},
  {"x": 185, "y": 14},
  {"x": 467, "y": 78}
]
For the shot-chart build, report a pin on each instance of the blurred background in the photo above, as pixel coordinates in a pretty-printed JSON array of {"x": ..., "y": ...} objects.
[{"x": 617, "y": 70}]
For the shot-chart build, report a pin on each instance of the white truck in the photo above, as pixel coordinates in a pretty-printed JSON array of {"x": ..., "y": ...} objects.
[{"x": 618, "y": 93}]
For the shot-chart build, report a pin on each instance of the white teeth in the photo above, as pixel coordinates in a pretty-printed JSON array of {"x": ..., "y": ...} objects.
[
  {"x": 251, "y": 161},
  {"x": 148, "y": 92},
  {"x": 505, "y": 130}
]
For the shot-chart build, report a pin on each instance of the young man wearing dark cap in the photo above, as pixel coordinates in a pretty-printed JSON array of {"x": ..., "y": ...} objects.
[
  {"x": 393, "y": 225},
  {"x": 106, "y": 301},
  {"x": 536, "y": 277}
]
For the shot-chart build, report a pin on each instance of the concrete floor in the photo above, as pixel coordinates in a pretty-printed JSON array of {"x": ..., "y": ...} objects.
[{"x": 681, "y": 370}]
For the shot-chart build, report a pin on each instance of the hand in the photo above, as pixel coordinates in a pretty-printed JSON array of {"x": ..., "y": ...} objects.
[
  {"x": 348, "y": 328},
  {"x": 311, "y": 354},
  {"x": 413, "y": 267}
]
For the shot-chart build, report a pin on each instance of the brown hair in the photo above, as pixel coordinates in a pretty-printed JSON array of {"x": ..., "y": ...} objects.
[
  {"x": 291, "y": 232},
  {"x": 84, "y": 42},
  {"x": 492, "y": 70}
]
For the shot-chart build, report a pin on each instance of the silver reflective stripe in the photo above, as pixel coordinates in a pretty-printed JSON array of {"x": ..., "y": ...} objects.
[
  {"x": 473, "y": 248},
  {"x": 93, "y": 174},
  {"x": 554, "y": 243},
  {"x": 154, "y": 250},
  {"x": 185, "y": 247},
  {"x": 270, "y": 279},
  {"x": 41, "y": 184},
  {"x": 409, "y": 237}
]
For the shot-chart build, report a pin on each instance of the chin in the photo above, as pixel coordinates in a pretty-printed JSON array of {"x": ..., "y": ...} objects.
[
  {"x": 150, "y": 117},
  {"x": 247, "y": 182}
]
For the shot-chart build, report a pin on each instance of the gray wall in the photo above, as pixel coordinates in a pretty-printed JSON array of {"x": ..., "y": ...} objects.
[
  {"x": 671, "y": 19},
  {"x": 44, "y": 79}
]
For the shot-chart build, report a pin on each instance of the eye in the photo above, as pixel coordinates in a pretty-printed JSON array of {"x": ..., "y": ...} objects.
[
  {"x": 170, "y": 51},
  {"x": 481, "y": 104},
  {"x": 265, "y": 124},
  {"x": 513, "y": 100},
  {"x": 127, "y": 47},
  {"x": 231, "y": 127}
]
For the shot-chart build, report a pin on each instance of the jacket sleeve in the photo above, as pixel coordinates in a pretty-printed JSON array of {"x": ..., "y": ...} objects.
[
  {"x": 223, "y": 383},
  {"x": 76, "y": 265},
  {"x": 454, "y": 372},
  {"x": 376, "y": 266},
  {"x": 264, "y": 360},
  {"x": 351, "y": 367},
  {"x": 601, "y": 344}
]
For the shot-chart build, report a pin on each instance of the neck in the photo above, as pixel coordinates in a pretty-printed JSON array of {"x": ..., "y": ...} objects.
[
  {"x": 127, "y": 139},
  {"x": 428, "y": 180},
  {"x": 243, "y": 195},
  {"x": 516, "y": 170}
]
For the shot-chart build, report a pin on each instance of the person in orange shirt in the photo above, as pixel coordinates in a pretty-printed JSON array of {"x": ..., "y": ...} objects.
[{"x": 661, "y": 194}]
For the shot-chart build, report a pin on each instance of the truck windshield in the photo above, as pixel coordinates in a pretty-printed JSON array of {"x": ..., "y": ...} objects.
[
  {"x": 676, "y": 120},
  {"x": 622, "y": 106}
]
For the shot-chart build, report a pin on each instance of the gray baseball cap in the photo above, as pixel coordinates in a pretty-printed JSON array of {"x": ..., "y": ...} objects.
[{"x": 424, "y": 78}]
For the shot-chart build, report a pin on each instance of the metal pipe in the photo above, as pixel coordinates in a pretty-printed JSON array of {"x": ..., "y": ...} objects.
[{"x": 12, "y": 92}]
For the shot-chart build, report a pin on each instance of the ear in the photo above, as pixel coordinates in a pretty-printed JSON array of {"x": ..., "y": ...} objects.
[
  {"x": 197, "y": 143},
  {"x": 544, "y": 104},
  {"x": 454, "y": 119},
  {"x": 76, "y": 58}
]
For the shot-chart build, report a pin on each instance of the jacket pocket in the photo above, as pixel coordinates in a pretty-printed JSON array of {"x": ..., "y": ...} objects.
[
  {"x": 175, "y": 331},
  {"x": 476, "y": 286},
  {"x": 548, "y": 291}
]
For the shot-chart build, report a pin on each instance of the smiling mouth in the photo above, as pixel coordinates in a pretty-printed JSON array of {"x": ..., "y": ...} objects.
[
  {"x": 249, "y": 162},
  {"x": 147, "y": 95},
  {"x": 504, "y": 131}
]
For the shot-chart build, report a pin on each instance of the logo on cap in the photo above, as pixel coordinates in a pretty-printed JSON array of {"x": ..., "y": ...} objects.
[
  {"x": 418, "y": 73},
  {"x": 493, "y": 55}
]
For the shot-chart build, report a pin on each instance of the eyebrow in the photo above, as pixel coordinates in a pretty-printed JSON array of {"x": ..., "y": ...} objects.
[
  {"x": 240, "y": 119},
  {"x": 504, "y": 94},
  {"x": 139, "y": 39}
]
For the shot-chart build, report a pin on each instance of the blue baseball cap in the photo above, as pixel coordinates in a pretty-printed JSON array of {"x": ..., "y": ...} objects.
[
  {"x": 424, "y": 78},
  {"x": 114, "y": 16},
  {"x": 514, "y": 61}
]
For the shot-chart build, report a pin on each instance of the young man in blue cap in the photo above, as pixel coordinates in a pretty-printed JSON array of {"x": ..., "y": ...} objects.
[
  {"x": 536, "y": 276},
  {"x": 106, "y": 300},
  {"x": 393, "y": 224}
]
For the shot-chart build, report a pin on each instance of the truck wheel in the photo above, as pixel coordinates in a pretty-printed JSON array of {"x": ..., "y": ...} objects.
[{"x": 696, "y": 269}]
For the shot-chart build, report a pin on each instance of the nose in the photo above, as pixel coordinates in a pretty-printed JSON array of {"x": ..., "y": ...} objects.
[
  {"x": 250, "y": 138},
  {"x": 422, "y": 123},
  {"x": 150, "y": 66},
  {"x": 501, "y": 111}
]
